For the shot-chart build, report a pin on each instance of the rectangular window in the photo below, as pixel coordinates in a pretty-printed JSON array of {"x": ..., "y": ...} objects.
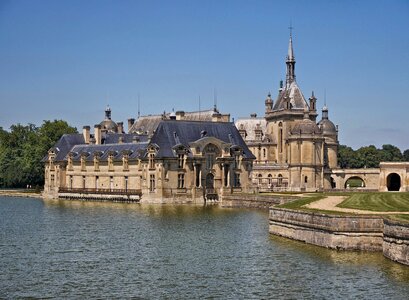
[
  {"x": 151, "y": 161},
  {"x": 237, "y": 180},
  {"x": 96, "y": 182},
  {"x": 83, "y": 182},
  {"x": 152, "y": 183},
  {"x": 52, "y": 180},
  {"x": 111, "y": 182},
  {"x": 181, "y": 161},
  {"x": 70, "y": 182},
  {"x": 181, "y": 181},
  {"x": 126, "y": 182}
]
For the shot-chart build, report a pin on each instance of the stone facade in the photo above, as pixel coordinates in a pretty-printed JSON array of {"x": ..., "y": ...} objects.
[
  {"x": 293, "y": 151},
  {"x": 180, "y": 161}
]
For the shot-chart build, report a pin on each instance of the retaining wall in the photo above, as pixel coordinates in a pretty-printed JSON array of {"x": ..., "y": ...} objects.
[
  {"x": 331, "y": 231},
  {"x": 254, "y": 201},
  {"x": 396, "y": 241}
]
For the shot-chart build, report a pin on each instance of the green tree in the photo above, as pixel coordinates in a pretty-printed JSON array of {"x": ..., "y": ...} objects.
[
  {"x": 22, "y": 149},
  {"x": 406, "y": 155},
  {"x": 390, "y": 153}
]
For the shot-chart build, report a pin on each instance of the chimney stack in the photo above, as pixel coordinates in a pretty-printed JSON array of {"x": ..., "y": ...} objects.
[
  {"x": 86, "y": 133},
  {"x": 131, "y": 121},
  {"x": 180, "y": 115},
  {"x": 120, "y": 127},
  {"x": 97, "y": 134}
]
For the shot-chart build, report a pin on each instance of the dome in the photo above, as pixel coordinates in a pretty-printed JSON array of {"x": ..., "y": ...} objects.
[
  {"x": 305, "y": 126},
  {"x": 327, "y": 127},
  {"x": 109, "y": 126}
]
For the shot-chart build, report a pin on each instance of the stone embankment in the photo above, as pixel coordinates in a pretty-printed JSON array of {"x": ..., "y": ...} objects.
[
  {"x": 19, "y": 193},
  {"x": 255, "y": 201},
  {"x": 346, "y": 232}
]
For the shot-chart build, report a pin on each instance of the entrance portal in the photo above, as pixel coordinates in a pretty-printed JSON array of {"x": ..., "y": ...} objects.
[
  {"x": 209, "y": 181},
  {"x": 393, "y": 182},
  {"x": 354, "y": 182}
]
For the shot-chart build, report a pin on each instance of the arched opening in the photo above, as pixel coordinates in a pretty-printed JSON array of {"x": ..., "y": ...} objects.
[
  {"x": 354, "y": 182},
  {"x": 209, "y": 181},
  {"x": 333, "y": 183},
  {"x": 393, "y": 182}
]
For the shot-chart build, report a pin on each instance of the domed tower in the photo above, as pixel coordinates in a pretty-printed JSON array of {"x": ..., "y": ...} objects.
[
  {"x": 107, "y": 125},
  {"x": 330, "y": 133},
  {"x": 305, "y": 164}
]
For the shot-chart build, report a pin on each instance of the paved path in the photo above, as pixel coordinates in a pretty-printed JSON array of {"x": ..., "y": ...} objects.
[
  {"x": 331, "y": 202},
  {"x": 19, "y": 193}
]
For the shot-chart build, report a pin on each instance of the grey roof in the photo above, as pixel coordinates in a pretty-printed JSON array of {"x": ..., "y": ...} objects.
[
  {"x": 295, "y": 96},
  {"x": 113, "y": 138},
  {"x": 250, "y": 125},
  {"x": 64, "y": 145},
  {"x": 327, "y": 127},
  {"x": 135, "y": 151},
  {"x": 148, "y": 124},
  {"x": 171, "y": 133},
  {"x": 305, "y": 126}
]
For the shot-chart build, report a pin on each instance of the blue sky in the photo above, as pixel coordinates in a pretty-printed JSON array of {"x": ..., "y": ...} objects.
[{"x": 69, "y": 59}]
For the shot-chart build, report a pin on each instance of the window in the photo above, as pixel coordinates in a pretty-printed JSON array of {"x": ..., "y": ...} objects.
[
  {"x": 126, "y": 182},
  {"x": 270, "y": 177},
  {"x": 237, "y": 180},
  {"x": 152, "y": 183},
  {"x": 70, "y": 182},
  {"x": 181, "y": 181},
  {"x": 280, "y": 137},
  {"x": 181, "y": 161},
  {"x": 198, "y": 175},
  {"x": 96, "y": 163},
  {"x": 264, "y": 153},
  {"x": 209, "y": 160},
  {"x": 237, "y": 161},
  {"x": 70, "y": 162},
  {"x": 111, "y": 182},
  {"x": 260, "y": 178},
  {"x": 96, "y": 182},
  {"x": 52, "y": 180},
  {"x": 258, "y": 134},
  {"x": 305, "y": 179},
  {"x": 83, "y": 163},
  {"x": 83, "y": 182},
  {"x": 151, "y": 161}
]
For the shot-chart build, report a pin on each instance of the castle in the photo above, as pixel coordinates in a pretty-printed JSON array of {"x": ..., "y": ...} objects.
[
  {"x": 196, "y": 157},
  {"x": 293, "y": 151}
]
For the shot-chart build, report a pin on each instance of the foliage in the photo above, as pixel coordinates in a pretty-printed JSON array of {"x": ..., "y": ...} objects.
[
  {"x": 22, "y": 149},
  {"x": 369, "y": 156}
]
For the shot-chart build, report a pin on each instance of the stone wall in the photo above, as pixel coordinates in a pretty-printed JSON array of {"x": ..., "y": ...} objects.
[
  {"x": 331, "y": 231},
  {"x": 396, "y": 241},
  {"x": 254, "y": 201}
]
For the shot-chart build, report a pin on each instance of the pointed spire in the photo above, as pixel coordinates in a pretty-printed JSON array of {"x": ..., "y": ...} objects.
[
  {"x": 108, "y": 113},
  {"x": 290, "y": 76}
]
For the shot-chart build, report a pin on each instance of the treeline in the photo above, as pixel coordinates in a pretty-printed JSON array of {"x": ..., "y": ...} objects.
[
  {"x": 369, "y": 156},
  {"x": 22, "y": 149}
]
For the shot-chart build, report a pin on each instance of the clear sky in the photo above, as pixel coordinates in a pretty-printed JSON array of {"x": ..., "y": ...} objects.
[{"x": 69, "y": 59}]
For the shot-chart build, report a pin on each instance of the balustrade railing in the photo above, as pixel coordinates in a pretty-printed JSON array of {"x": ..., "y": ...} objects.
[{"x": 100, "y": 191}]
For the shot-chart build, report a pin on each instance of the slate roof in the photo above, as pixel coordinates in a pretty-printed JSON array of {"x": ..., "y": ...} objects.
[
  {"x": 295, "y": 96},
  {"x": 250, "y": 125},
  {"x": 64, "y": 145},
  {"x": 171, "y": 133},
  {"x": 148, "y": 124},
  {"x": 135, "y": 151}
]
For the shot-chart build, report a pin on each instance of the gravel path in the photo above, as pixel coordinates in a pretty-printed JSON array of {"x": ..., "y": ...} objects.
[{"x": 331, "y": 202}]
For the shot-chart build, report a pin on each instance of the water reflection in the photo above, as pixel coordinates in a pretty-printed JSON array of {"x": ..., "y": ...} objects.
[{"x": 75, "y": 249}]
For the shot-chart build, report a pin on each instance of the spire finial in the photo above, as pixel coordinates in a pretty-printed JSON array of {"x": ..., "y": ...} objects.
[
  {"x": 291, "y": 29},
  {"x": 290, "y": 76},
  {"x": 139, "y": 104}
]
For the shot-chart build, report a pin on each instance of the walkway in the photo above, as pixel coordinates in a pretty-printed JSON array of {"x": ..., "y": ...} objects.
[{"x": 331, "y": 202}]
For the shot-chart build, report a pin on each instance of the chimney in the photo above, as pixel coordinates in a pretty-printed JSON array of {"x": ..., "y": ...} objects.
[
  {"x": 97, "y": 134},
  {"x": 131, "y": 121},
  {"x": 86, "y": 133},
  {"x": 92, "y": 141},
  {"x": 180, "y": 115},
  {"x": 120, "y": 127}
]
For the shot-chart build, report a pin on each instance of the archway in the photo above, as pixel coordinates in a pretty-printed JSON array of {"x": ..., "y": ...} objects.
[
  {"x": 393, "y": 182},
  {"x": 354, "y": 182},
  {"x": 209, "y": 181}
]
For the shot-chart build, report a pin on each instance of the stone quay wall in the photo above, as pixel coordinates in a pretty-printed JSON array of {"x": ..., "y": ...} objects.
[
  {"x": 254, "y": 201},
  {"x": 331, "y": 231},
  {"x": 396, "y": 241}
]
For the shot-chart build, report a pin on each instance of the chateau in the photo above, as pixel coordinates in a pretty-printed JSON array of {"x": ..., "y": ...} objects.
[
  {"x": 177, "y": 157},
  {"x": 201, "y": 156},
  {"x": 293, "y": 151}
]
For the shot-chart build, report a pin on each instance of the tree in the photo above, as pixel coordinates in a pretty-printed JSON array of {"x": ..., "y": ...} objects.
[
  {"x": 406, "y": 155},
  {"x": 22, "y": 149},
  {"x": 390, "y": 153}
]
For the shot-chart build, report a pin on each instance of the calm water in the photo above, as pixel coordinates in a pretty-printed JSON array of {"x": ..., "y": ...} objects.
[{"x": 79, "y": 249}]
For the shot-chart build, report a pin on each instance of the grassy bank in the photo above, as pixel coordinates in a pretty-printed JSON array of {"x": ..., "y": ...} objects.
[{"x": 378, "y": 201}]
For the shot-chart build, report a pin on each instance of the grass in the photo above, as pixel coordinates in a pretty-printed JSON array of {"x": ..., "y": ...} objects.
[{"x": 377, "y": 201}]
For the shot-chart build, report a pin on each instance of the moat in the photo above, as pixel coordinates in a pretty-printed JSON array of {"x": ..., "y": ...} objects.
[{"x": 75, "y": 249}]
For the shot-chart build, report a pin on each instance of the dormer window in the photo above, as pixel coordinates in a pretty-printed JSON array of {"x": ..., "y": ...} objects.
[
  {"x": 125, "y": 162},
  {"x": 110, "y": 162},
  {"x": 96, "y": 162},
  {"x": 83, "y": 163},
  {"x": 181, "y": 160},
  {"x": 151, "y": 160}
]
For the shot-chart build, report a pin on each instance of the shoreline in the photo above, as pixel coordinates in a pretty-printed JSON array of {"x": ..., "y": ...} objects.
[{"x": 19, "y": 193}]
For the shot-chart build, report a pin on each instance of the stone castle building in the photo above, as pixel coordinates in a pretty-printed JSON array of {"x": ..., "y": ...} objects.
[
  {"x": 293, "y": 151},
  {"x": 177, "y": 157}
]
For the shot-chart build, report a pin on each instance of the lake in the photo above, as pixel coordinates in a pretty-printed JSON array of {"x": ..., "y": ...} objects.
[{"x": 75, "y": 249}]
